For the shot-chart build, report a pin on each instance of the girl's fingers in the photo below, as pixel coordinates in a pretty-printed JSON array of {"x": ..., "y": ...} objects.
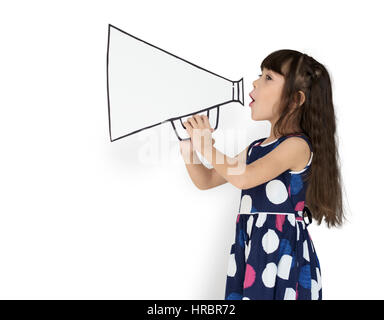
[
  {"x": 192, "y": 121},
  {"x": 188, "y": 127},
  {"x": 206, "y": 122},
  {"x": 199, "y": 121}
]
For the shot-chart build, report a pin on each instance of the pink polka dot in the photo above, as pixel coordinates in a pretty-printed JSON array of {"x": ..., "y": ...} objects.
[
  {"x": 250, "y": 276},
  {"x": 289, "y": 190},
  {"x": 299, "y": 206},
  {"x": 238, "y": 216},
  {"x": 280, "y": 218}
]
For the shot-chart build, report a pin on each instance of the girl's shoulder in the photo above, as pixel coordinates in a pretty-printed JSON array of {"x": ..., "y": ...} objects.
[
  {"x": 299, "y": 135},
  {"x": 276, "y": 142},
  {"x": 308, "y": 140}
]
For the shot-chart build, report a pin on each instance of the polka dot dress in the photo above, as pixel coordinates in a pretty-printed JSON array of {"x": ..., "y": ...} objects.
[{"x": 272, "y": 256}]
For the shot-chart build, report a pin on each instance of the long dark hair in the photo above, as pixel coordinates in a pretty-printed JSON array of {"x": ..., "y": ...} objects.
[{"x": 317, "y": 120}]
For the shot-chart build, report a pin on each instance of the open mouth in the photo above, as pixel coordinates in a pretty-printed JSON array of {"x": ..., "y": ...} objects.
[{"x": 252, "y": 100}]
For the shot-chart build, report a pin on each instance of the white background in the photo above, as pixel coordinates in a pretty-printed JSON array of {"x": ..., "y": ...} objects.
[{"x": 84, "y": 218}]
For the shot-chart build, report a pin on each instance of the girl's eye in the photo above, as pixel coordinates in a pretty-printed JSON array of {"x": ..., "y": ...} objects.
[{"x": 268, "y": 77}]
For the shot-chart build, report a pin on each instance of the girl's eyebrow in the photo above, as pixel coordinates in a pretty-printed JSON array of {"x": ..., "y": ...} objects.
[{"x": 275, "y": 74}]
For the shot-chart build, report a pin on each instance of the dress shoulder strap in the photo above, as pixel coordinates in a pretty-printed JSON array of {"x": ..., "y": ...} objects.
[{"x": 256, "y": 143}]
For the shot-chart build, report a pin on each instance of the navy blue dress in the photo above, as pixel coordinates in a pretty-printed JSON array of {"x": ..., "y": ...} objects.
[{"x": 273, "y": 256}]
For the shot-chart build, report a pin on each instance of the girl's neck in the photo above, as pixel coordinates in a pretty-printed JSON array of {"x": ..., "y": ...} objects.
[{"x": 272, "y": 137}]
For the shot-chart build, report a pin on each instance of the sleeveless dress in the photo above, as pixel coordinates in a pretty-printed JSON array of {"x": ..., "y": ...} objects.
[{"x": 273, "y": 256}]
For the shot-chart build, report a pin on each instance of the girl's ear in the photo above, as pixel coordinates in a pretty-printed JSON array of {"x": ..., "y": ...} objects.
[
  {"x": 298, "y": 100},
  {"x": 302, "y": 97}
]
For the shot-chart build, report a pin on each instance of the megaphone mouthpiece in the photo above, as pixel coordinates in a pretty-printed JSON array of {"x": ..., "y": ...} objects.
[{"x": 238, "y": 91}]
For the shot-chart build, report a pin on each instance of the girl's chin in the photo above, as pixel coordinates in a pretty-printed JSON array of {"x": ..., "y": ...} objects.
[{"x": 254, "y": 116}]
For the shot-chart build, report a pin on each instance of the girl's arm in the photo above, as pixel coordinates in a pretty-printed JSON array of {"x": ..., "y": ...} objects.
[
  {"x": 199, "y": 174},
  {"x": 217, "y": 179},
  {"x": 291, "y": 154}
]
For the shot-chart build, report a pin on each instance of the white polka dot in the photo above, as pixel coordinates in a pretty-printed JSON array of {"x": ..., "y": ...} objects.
[
  {"x": 270, "y": 241},
  {"x": 231, "y": 266},
  {"x": 290, "y": 294},
  {"x": 249, "y": 225},
  {"x": 305, "y": 250},
  {"x": 284, "y": 266},
  {"x": 261, "y": 219},
  {"x": 269, "y": 275},
  {"x": 318, "y": 277},
  {"x": 246, "y": 298},
  {"x": 314, "y": 290},
  {"x": 292, "y": 219},
  {"x": 246, "y": 204},
  {"x": 247, "y": 250},
  {"x": 276, "y": 191}
]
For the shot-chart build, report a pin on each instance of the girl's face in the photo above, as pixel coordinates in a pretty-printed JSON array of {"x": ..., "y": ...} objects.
[{"x": 266, "y": 94}]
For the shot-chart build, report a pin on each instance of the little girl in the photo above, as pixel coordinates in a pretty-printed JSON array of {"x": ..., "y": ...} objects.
[{"x": 294, "y": 169}]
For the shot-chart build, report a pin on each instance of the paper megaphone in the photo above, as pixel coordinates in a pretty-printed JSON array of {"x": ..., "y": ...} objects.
[{"x": 148, "y": 86}]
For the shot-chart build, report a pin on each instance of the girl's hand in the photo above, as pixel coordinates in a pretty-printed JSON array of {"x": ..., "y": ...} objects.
[{"x": 200, "y": 132}]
